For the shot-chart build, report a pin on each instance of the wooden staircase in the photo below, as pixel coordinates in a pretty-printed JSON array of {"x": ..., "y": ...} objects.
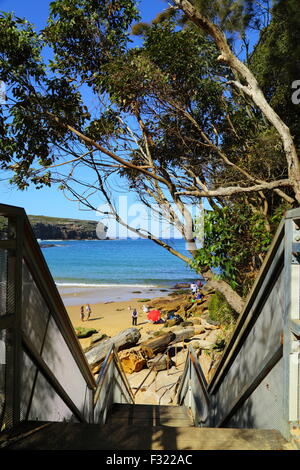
[{"x": 140, "y": 427}]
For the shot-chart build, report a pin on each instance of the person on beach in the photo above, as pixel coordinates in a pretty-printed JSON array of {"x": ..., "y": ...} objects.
[
  {"x": 145, "y": 309},
  {"x": 88, "y": 311},
  {"x": 82, "y": 313},
  {"x": 193, "y": 288},
  {"x": 134, "y": 316}
]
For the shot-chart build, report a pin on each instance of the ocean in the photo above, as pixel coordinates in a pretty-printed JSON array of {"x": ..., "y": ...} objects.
[{"x": 123, "y": 266}]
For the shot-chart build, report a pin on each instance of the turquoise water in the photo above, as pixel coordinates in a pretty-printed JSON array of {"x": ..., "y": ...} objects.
[{"x": 116, "y": 262}]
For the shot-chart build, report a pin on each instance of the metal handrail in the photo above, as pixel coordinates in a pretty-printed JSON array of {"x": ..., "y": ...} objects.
[
  {"x": 111, "y": 356},
  {"x": 45, "y": 282},
  {"x": 27, "y": 252},
  {"x": 191, "y": 360},
  {"x": 233, "y": 345},
  {"x": 200, "y": 375}
]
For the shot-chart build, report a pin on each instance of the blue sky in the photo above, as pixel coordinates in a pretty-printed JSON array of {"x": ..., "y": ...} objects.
[{"x": 50, "y": 201}]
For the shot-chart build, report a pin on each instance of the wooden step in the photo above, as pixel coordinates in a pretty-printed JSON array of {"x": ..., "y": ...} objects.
[
  {"x": 116, "y": 436},
  {"x": 150, "y": 415}
]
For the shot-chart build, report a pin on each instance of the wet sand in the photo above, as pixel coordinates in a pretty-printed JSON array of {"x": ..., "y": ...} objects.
[{"x": 76, "y": 295}]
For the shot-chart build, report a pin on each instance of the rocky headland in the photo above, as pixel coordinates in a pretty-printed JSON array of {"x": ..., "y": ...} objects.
[{"x": 54, "y": 228}]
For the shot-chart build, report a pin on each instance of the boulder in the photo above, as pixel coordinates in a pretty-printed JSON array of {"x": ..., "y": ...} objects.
[
  {"x": 172, "y": 322},
  {"x": 195, "y": 320},
  {"x": 210, "y": 321},
  {"x": 181, "y": 285},
  {"x": 199, "y": 329},
  {"x": 208, "y": 326},
  {"x": 207, "y": 343},
  {"x": 160, "y": 363},
  {"x": 187, "y": 323},
  {"x": 202, "y": 344},
  {"x": 183, "y": 333},
  {"x": 98, "y": 337}
]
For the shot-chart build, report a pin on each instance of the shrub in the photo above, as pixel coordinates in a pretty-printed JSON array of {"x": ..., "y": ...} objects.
[
  {"x": 84, "y": 332},
  {"x": 220, "y": 311}
]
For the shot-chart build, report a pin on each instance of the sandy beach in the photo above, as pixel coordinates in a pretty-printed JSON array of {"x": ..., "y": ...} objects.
[{"x": 111, "y": 317}]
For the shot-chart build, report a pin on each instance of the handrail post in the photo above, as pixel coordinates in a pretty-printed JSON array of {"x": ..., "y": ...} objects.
[
  {"x": 291, "y": 353},
  {"x": 111, "y": 357},
  {"x": 16, "y": 272}
]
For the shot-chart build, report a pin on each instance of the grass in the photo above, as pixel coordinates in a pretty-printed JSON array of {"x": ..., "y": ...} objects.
[
  {"x": 220, "y": 311},
  {"x": 82, "y": 332}
]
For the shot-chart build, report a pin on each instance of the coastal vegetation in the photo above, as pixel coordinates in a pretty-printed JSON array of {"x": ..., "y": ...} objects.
[{"x": 200, "y": 109}]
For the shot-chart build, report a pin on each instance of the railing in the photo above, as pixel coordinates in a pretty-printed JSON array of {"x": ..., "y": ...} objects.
[
  {"x": 256, "y": 382},
  {"x": 192, "y": 391},
  {"x": 44, "y": 374},
  {"x": 112, "y": 386}
]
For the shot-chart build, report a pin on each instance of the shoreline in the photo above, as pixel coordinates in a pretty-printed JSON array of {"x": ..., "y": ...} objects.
[{"x": 73, "y": 295}]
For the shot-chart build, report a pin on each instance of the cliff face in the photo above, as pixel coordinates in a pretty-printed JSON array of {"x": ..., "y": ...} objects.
[{"x": 52, "y": 228}]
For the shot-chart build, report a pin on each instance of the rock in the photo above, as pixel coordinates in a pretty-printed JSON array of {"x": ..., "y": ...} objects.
[
  {"x": 132, "y": 361},
  {"x": 195, "y": 320},
  {"x": 208, "y": 342},
  {"x": 207, "y": 325},
  {"x": 160, "y": 363},
  {"x": 199, "y": 329},
  {"x": 123, "y": 340},
  {"x": 186, "y": 323},
  {"x": 159, "y": 388},
  {"x": 210, "y": 321},
  {"x": 98, "y": 337},
  {"x": 181, "y": 285},
  {"x": 203, "y": 344},
  {"x": 183, "y": 333},
  {"x": 198, "y": 309},
  {"x": 213, "y": 335},
  {"x": 53, "y": 228},
  {"x": 172, "y": 322}
]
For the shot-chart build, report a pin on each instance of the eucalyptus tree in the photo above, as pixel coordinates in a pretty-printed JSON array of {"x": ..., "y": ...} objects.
[
  {"x": 167, "y": 117},
  {"x": 207, "y": 20}
]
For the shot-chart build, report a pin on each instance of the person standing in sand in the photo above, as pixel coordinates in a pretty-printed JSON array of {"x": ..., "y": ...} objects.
[
  {"x": 82, "y": 313},
  {"x": 88, "y": 311},
  {"x": 145, "y": 309},
  {"x": 134, "y": 316}
]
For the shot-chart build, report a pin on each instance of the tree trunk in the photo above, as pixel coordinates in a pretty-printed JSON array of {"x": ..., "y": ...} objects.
[
  {"x": 155, "y": 346},
  {"x": 234, "y": 300},
  {"x": 96, "y": 354}
]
